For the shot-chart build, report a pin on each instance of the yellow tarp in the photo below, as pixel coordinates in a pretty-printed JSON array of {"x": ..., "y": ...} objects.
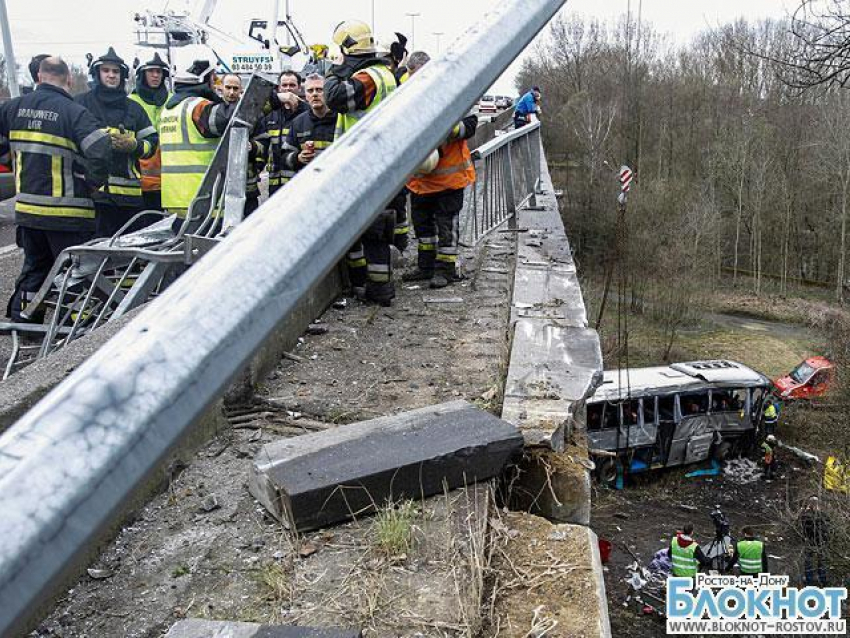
[{"x": 836, "y": 476}]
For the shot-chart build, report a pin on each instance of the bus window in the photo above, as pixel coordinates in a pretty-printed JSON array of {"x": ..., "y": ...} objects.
[
  {"x": 610, "y": 418},
  {"x": 666, "y": 408},
  {"x": 728, "y": 400},
  {"x": 649, "y": 410},
  {"x": 594, "y": 416},
  {"x": 694, "y": 403},
  {"x": 630, "y": 412}
]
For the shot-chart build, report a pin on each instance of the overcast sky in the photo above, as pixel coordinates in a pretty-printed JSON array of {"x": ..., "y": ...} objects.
[{"x": 74, "y": 27}]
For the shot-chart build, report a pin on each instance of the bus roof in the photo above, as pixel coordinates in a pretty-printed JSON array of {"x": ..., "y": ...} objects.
[{"x": 677, "y": 377}]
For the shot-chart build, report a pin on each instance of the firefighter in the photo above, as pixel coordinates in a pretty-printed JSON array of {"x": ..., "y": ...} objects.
[
  {"x": 771, "y": 417},
  {"x": 286, "y": 105},
  {"x": 190, "y": 126},
  {"x": 750, "y": 554},
  {"x": 231, "y": 93},
  {"x": 769, "y": 458},
  {"x": 61, "y": 156},
  {"x": 133, "y": 137},
  {"x": 357, "y": 84},
  {"x": 312, "y": 132},
  {"x": 151, "y": 93},
  {"x": 686, "y": 556},
  {"x": 436, "y": 201}
]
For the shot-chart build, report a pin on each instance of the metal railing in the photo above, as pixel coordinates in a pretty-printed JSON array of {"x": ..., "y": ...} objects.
[
  {"x": 508, "y": 175},
  {"x": 68, "y": 466}
]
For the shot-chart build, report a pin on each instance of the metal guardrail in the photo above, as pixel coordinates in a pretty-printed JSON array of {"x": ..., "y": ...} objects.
[
  {"x": 508, "y": 170},
  {"x": 70, "y": 463}
]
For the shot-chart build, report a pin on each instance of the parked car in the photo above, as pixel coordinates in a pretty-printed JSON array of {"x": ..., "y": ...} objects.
[
  {"x": 7, "y": 182},
  {"x": 812, "y": 378},
  {"x": 487, "y": 104},
  {"x": 502, "y": 102}
]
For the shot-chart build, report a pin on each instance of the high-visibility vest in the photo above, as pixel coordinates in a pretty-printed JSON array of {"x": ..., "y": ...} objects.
[
  {"x": 385, "y": 84},
  {"x": 151, "y": 168},
  {"x": 749, "y": 556},
  {"x": 770, "y": 414},
  {"x": 186, "y": 154},
  {"x": 453, "y": 171},
  {"x": 768, "y": 453},
  {"x": 683, "y": 559}
]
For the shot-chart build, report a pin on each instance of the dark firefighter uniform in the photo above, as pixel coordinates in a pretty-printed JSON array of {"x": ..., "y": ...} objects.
[
  {"x": 353, "y": 89},
  {"x": 277, "y": 125},
  {"x": 121, "y": 198},
  {"x": 307, "y": 127},
  {"x": 190, "y": 127},
  {"x": 153, "y": 102},
  {"x": 257, "y": 159},
  {"x": 436, "y": 201},
  {"x": 61, "y": 155}
]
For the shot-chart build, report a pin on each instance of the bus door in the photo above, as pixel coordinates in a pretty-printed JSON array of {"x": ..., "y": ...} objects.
[
  {"x": 666, "y": 411},
  {"x": 693, "y": 434}
]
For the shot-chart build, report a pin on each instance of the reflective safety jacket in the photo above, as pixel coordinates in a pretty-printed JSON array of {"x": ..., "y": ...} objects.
[
  {"x": 189, "y": 129},
  {"x": 355, "y": 88},
  {"x": 683, "y": 558},
  {"x": 61, "y": 155},
  {"x": 768, "y": 453},
  {"x": 771, "y": 416},
  {"x": 455, "y": 169},
  {"x": 150, "y": 167},
  {"x": 750, "y": 556},
  {"x": 308, "y": 127},
  {"x": 277, "y": 125},
  {"x": 124, "y": 186}
]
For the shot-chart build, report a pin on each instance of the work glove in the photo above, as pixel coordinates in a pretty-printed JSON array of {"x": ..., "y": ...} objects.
[{"x": 123, "y": 142}]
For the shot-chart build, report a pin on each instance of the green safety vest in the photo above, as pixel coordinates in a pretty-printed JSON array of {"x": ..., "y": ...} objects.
[
  {"x": 770, "y": 414},
  {"x": 186, "y": 154},
  {"x": 749, "y": 556},
  {"x": 384, "y": 81},
  {"x": 683, "y": 559}
]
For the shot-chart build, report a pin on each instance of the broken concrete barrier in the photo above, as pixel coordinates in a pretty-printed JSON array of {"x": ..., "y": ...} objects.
[
  {"x": 198, "y": 628},
  {"x": 319, "y": 479}
]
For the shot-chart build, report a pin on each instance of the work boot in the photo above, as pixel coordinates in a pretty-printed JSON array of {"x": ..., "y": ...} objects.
[
  {"x": 382, "y": 294},
  {"x": 443, "y": 278},
  {"x": 417, "y": 275}
]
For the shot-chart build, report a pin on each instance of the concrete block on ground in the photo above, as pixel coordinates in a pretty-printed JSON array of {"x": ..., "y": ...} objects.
[
  {"x": 563, "y": 563},
  {"x": 199, "y": 628},
  {"x": 319, "y": 479}
]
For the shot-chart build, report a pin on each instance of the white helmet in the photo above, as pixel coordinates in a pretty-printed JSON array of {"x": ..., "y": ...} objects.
[
  {"x": 429, "y": 164},
  {"x": 771, "y": 438},
  {"x": 194, "y": 65}
]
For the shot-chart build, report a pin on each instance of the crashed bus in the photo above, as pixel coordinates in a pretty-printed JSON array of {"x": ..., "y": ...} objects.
[{"x": 649, "y": 418}]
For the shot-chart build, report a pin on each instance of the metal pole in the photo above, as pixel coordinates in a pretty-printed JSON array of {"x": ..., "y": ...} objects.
[
  {"x": 508, "y": 167},
  {"x": 413, "y": 17},
  {"x": 70, "y": 463},
  {"x": 373, "y": 18},
  {"x": 9, "y": 52},
  {"x": 438, "y": 34}
]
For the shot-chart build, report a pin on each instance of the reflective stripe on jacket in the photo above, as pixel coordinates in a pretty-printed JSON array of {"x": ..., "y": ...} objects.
[
  {"x": 750, "y": 556},
  {"x": 186, "y": 154},
  {"x": 683, "y": 559},
  {"x": 384, "y": 85}
]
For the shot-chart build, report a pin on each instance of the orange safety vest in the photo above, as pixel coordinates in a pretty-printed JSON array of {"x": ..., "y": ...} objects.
[
  {"x": 152, "y": 172},
  {"x": 453, "y": 171}
]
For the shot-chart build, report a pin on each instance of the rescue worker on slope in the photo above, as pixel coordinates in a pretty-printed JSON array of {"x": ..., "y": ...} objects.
[
  {"x": 61, "y": 156},
  {"x": 133, "y": 139},
  {"x": 771, "y": 417},
  {"x": 356, "y": 85},
  {"x": 436, "y": 200},
  {"x": 231, "y": 93},
  {"x": 190, "y": 126},
  {"x": 768, "y": 448},
  {"x": 151, "y": 93},
  {"x": 750, "y": 554},
  {"x": 286, "y": 105},
  {"x": 686, "y": 556},
  {"x": 312, "y": 132}
]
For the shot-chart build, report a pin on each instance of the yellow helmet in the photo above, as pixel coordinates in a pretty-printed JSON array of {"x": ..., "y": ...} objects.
[{"x": 354, "y": 37}]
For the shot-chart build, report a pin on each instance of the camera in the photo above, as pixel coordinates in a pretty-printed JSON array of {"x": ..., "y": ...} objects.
[{"x": 721, "y": 523}]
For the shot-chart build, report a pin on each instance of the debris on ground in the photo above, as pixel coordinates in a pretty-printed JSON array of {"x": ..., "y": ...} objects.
[{"x": 742, "y": 471}]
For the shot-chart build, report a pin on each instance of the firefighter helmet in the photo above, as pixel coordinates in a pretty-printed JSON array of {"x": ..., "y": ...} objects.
[
  {"x": 110, "y": 57},
  {"x": 354, "y": 37}
]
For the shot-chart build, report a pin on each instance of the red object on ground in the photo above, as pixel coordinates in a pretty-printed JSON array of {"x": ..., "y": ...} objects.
[
  {"x": 604, "y": 550},
  {"x": 812, "y": 378}
]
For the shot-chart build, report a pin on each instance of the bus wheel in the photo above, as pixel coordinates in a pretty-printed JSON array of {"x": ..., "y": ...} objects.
[
  {"x": 606, "y": 471},
  {"x": 722, "y": 451}
]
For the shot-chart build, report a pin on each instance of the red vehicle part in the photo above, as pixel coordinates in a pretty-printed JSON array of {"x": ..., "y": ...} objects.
[{"x": 812, "y": 378}]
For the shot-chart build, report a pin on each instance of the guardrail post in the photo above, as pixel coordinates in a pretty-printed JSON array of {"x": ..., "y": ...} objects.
[{"x": 508, "y": 172}]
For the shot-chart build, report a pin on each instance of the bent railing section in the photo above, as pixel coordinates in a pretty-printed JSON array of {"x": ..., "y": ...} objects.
[{"x": 70, "y": 463}]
